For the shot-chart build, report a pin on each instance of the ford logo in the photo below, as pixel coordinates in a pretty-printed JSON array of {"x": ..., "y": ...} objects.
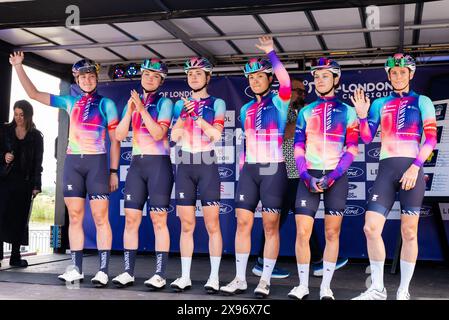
[
  {"x": 352, "y": 186},
  {"x": 354, "y": 172},
  {"x": 353, "y": 211},
  {"x": 374, "y": 153},
  {"x": 225, "y": 208},
  {"x": 127, "y": 156},
  {"x": 225, "y": 172},
  {"x": 426, "y": 212}
]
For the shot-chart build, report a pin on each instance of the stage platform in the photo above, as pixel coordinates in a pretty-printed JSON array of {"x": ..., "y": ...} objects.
[{"x": 39, "y": 280}]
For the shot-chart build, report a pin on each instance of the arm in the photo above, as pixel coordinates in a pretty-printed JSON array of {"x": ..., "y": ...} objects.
[
  {"x": 37, "y": 170},
  {"x": 285, "y": 90},
  {"x": 430, "y": 130},
  {"x": 408, "y": 179},
  {"x": 178, "y": 129},
  {"x": 369, "y": 117},
  {"x": 156, "y": 129},
  {"x": 300, "y": 147},
  {"x": 352, "y": 148},
  {"x": 121, "y": 132},
  {"x": 16, "y": 60},
  {"x": 242, "y": 155},
  {"x": 213, "y": 132},
  {"x": 114, "y": 152},
  {"x": 267, "y": 46}
]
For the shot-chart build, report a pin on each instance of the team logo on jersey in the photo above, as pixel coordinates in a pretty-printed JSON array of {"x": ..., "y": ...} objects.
[
  {"x": 69, "y": 187},
  {"x": 181, "y": 195},
  {"x": 374, "y": 197},
  {"x": 242, "y": 197},
  {"x": 303, "y": 203}
]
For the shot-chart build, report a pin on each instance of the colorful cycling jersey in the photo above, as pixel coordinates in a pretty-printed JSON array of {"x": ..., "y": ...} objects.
[
  {"x": 212, "y": 110},
  {"x": 161, "y": 111},
  {"x": 90, "y": 116},
  {"x": 323, "y": 129},
  {"x": 264, "y": 122},
  {"x": 402, "y": 120}
]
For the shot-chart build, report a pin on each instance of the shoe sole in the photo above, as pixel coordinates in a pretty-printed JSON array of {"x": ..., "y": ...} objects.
[
  {"x": 211, "y": 290},
  {"x": 122, "y": 285},
  {"x": 152, "y": 287},
  {"x": 178, "y": 289},
  {"x": 260, "y": 295},
  {"x": 258, "y": 273},
  {"x": 319, "y": 272},
  {"x": 238, "y": 291},
  {"x": 71, "y": 282},
  {"x": 292, "y": 296},
  {"x": 98, "y": 284}
]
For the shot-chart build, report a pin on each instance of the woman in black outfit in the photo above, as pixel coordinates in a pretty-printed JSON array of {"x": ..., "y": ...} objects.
[{"x": 21, "y": 150}]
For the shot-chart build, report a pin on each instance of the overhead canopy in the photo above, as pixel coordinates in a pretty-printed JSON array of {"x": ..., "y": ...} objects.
[{"x": 115, "y": 31}]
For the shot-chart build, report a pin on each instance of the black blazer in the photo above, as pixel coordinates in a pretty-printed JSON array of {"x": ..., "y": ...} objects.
[{"x": 32, "y": 153}]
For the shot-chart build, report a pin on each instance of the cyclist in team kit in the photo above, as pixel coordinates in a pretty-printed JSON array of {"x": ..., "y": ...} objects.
[
  {"x": 199, "y": 122},
  {"x": 86, "y": 164},
  {"x": 150, "y": 176},
  {"x": 263, "y": 173},
  {"x": 326, "y": 143},
  {"x": 403, "y": 116}
]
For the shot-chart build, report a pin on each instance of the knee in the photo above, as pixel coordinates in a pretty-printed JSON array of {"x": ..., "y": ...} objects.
[
  {"x": 303, "y": 235},
  {"x": 187, "y": 226},
  {"x": 100, "y": 219},
  {"x": 271, "y": 229},
  {"x": 131, "y": 223},
  {"x": 213, "y": 227},
  {"x": 159, "y": 224},
  {"x": 332, "y": 234},
  {"x": 75, "y": 217},
  {"x": 409, "y": 234},
  {"x": 243, "y": 226},
  {"x": 372, "y": 232}
]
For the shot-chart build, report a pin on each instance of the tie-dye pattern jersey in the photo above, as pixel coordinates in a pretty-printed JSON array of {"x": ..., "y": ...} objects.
[
  {"x": 323, "y": 129},
  {"x": 90, "y": 116},
  {"x": 402, "y": 120},
  {"x": 161, "y": 110},
  {"x": 212, "y": 110},
  {"x": 264, "y": 122}
]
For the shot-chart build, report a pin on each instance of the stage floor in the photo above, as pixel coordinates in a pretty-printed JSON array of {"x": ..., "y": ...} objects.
[{"x": 39, "y": 280}]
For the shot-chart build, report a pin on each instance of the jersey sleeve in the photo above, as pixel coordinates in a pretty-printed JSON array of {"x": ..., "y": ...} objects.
[
  {"x": 285, "y": 90},
  {"x": 62, "y": 102},
  {"x": 300, "y": 144},
  {"x": 429, "y": 122},
  {"x": 177, "y": 109},
  {"x": 369, "y": 125},
  {"x": 111, "y": 113},
  {"x": 220, "y": 111},
  {"x": 165, "y": 112}
]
